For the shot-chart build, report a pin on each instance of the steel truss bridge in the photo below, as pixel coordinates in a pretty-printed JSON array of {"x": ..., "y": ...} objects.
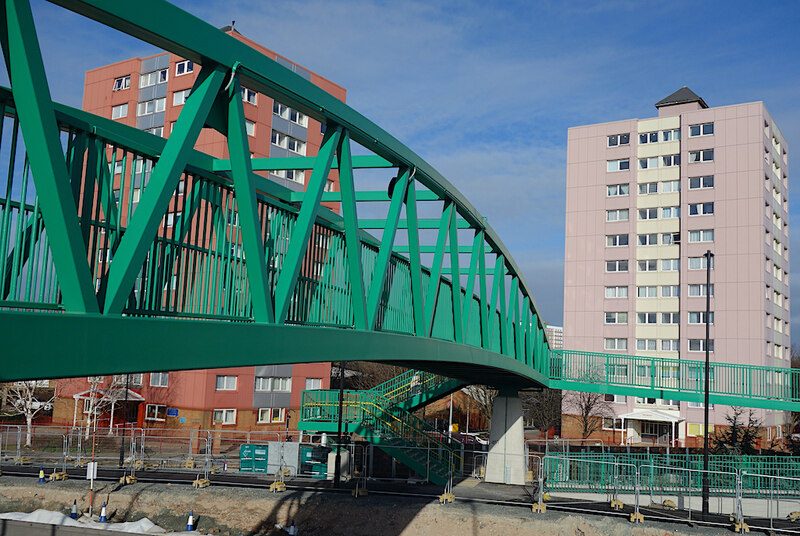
[{"x": 214, "y": 265}]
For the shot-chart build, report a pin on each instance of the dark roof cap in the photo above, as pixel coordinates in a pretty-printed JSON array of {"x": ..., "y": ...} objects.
[
  {"x": 230, "y": 28},
  {"x": 682, "y": 96}
]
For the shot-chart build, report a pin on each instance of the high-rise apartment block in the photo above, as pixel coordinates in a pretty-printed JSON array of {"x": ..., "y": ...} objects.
[
  {"x": 646, "y": 198},
  {"x": 149, "y": 94}
]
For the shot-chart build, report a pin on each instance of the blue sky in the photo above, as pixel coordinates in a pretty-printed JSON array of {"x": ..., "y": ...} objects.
[{"x": 486, "y": 91}]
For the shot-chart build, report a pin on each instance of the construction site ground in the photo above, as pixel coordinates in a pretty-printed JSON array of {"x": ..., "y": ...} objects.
[{"x": 391, "y": 509}]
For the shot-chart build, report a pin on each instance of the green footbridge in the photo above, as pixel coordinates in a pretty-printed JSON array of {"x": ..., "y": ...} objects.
[{"x": 122, "y": 252}]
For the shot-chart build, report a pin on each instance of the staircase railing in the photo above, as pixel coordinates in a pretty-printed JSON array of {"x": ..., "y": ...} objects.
[
  {"x": 377, "y": 414},
  {"x": 409, "y": 384}
]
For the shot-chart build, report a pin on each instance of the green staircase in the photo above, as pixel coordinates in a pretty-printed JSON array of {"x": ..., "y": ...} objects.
[{"x": 382, "y": 416}]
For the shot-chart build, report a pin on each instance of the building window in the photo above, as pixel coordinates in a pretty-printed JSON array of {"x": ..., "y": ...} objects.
[
  {"x": 179, "y": 97},
  {"x": 617, "y": 292},
  {"x": 697, "y": 429},
  {"x": 157, "y": 131},
  {"x": 670, "y": 265},
  {"x": 646, "y": 345},
  {"x": 670, "y": 212},
  {"x": 123, "y": 82},
  {"x": 670, "y": 238},
  {"x": 670, "y": 345},
  {"x": 701, "y": 209},
  {"x": 611, "y": 423},
  {"x": 648, "y": 163},
  {"x": 184, "y": 67},
  {"x": 647, "y": 188},
  {"x": 703, "y": 235},
  {"x": 618, "y": 165},
  {"x": 278, "y": 415},
  {"x": 670, "y": 186},
  {"x": 225, "y": 416},
  {"x": 671, "y": 135},
  {"x": 313, "y": 383},
  {"x": 671, "y": 160},
  {"x": 617, "y": 370},
  {"x": 132, "y": 380},
  {"x": 670, "y": 291},
  {"x": 698, "y": 183},
  {"x": 250, "y": 127},
  {"x": 648, "y": 213},
  {"x": 648, "y": 137},
  {"x": 263, "y": 415},
  {"x": 699, "y": 405},
  {"x": 151, "y": 79},
  {"x": 648, "y": 239},
  {"x": 172, "y": 217},
  {"x": 616, "y": 344},
  {"x": 706, "y": 155},
  {"x": 699, "y": 317},
  {"x": 646, "y": 318},
  {"x": 617, "y": 266},
  {"x": 155, "y": 412},
  {"x": 152, "y": 106},
  {"x": 617, "y": 214},
  {"x": 700, "y": 263},
  {"x": 670, "y": 318},
  {"x": 640, "y": 400},
  {"x": 159, "y": 379},
  {"x": 619, "y": 139},
  {"x": 118, "y": 112},
  {"x": 226, "y": 383},
  {"x": 646, "y": 292},
  {"x": 704, "y": 129},
  {"x": 616, "y": 240},
  {"x": 249, "y": 96},
  {"x": 616, "y": 190},
  {"x": 268, "y": 383},
  {"x": 700, "y": 290},
  {"x": 616, "y": 318},
  {"x": 699, "y": 345},
  {"x": 650, "y": 265}
]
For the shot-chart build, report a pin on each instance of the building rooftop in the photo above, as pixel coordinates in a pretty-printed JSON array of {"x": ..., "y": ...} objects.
[{"x": 682, "y": 96}]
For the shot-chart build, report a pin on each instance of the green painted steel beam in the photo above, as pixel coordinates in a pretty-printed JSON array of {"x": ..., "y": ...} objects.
[
  {"x": 403, "y": 248},
  {"x": 247, "y": 208},
  {"x": 368, "y": 161},
  {"x": 464, "y": 271},
  {"x": 423, "y": 223},
  {"x": 367, "y": 196},
  {"x": 163, "y": 182},
  {"x": 71, "y": 347},
  {"x": 34, "y": 106},
  {"x": 301, "y": 233}
]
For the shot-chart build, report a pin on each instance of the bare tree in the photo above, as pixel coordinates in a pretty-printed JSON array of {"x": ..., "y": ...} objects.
[
  {"x": 367, "y": 375},
  {"x": 587, "y": 409},
  {"x": 484, "y": 398},
  {"x": 26, "y": 399},
  {"x": 542, "y": 409}
]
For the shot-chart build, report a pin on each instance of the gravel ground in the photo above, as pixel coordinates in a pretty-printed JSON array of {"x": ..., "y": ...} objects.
[{"x": 237, "y": 511}]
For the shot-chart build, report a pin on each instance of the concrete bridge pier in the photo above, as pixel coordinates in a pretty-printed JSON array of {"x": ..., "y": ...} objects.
[{"x": 505, "y": 463}]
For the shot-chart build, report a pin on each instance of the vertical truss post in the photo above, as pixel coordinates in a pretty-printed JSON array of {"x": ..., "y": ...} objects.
[
  {"x": 473, "y": 269},
  {"x": 385, "y": 251},
  {"x": 417, "y": 301},
  {"x": 298, "y": 244},
  {"x": 458, "y": 324},
  {"x": 436, "y": 268},
  {"x": 483, "y": 315},
  {"x": 145, "y": 222},
  {"x": 347, "y": 188},
  {"x": 513, "y": 318},
  {"x": 522, "y": 330},
  {"x": 533, "y": 351},
  {"x": 34, "y": 106},
  {"x": 244, "y": 190}
]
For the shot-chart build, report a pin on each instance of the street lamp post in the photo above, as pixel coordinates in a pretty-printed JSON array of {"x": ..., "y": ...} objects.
[
  {"x": 709, "y": 256},
  {"x": 124, "y": 421},
  {"x": 337, "y": 471}
]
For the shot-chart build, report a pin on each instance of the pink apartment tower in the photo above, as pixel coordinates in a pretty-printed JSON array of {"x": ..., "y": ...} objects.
[{"x": 646, "y": 198}]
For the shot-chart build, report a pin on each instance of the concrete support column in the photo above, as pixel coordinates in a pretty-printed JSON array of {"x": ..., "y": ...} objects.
[{"x": 506, "y": 461}]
